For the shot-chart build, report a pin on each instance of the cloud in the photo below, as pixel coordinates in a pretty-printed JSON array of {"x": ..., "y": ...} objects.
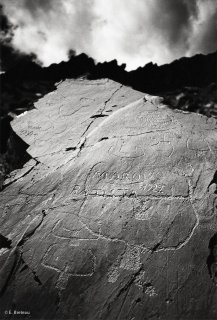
[
  {"x": 133, "y": 31},
  {"x": 50, "y": 28},
  {"x": 203, "y": 37}
]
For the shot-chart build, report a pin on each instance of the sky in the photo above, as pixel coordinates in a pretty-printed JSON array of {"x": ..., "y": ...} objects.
[{"x": 134, "y": 32}]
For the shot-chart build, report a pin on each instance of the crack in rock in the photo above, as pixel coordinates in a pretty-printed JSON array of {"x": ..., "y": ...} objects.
[{"x": 4, "y": 242}]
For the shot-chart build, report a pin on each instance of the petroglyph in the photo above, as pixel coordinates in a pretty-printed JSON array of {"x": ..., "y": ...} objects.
[{"x": 127, "y": 189}]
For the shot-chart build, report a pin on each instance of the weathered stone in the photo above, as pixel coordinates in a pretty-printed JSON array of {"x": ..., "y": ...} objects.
[{"x": 113, "y": 217}]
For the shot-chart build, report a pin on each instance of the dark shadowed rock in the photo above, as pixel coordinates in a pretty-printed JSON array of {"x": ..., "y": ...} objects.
[{"x": 114, "y": 217}]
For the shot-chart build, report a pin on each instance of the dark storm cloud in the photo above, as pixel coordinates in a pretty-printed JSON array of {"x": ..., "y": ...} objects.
[
  {"x": 34, "y": 5},
  {"x": 209, "y": 37},
  {"x": 169, "y": 19},
  {"x": 172, "y": 19},
  {"x": 132, "y": 31},
  {"x": 204, "y": 37}
]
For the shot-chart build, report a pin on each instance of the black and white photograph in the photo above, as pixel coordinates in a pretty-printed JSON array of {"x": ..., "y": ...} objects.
[{"x": 108, "y": 159}]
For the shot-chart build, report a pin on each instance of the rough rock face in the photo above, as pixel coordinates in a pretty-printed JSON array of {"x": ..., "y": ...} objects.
[{"x": 115, "y": 215}]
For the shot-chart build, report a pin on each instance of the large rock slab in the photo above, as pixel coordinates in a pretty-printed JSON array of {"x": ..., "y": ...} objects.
[{"x": 115, "y": 215}]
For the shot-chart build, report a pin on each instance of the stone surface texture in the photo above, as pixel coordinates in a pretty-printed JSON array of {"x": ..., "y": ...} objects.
[{"x": 114, "y": 217}]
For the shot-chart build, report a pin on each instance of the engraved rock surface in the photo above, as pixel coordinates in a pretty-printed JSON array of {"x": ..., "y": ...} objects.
[{"x": 115, "y": 216}]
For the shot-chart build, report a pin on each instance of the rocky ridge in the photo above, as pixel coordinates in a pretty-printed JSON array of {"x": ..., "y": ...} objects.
[{"x": 187, "y": 84}]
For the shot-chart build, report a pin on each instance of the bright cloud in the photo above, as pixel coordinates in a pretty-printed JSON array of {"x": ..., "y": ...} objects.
[{"x": 133, "y": 31}]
